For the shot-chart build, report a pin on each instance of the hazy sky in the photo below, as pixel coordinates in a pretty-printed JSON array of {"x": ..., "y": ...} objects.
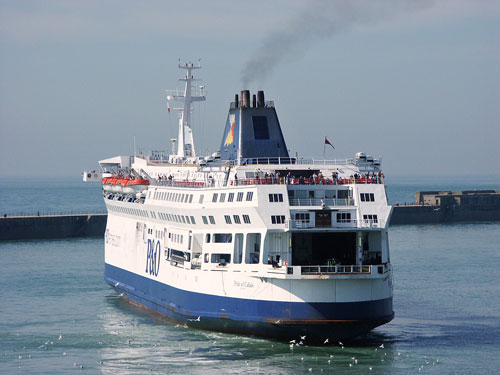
[{"x": 416, "y": 82}]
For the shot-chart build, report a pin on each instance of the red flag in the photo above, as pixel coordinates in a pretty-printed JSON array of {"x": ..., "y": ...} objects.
[
  {"x": 327, "y": 142},
  {"x": 168, "y": 108}
]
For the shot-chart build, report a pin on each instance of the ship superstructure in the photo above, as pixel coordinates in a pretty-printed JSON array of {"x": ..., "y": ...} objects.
[{"x": 250, "y": 239}]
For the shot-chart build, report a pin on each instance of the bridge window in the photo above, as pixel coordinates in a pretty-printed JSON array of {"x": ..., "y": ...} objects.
[
  {"x": 249, "y": 195},
  {"x": 214, "y": 197},
  {"x": 204, "y": 218},
  {"x": 240, "y": 197},
  {"x": 236, "y": 219},
  {"x": 212, "y": 220},
  {"x": 246, "y": 219},
  {"x": 230, "y": 197},
  {"x": 222, "y": 197},
  {"x": 228, "y": 219}
]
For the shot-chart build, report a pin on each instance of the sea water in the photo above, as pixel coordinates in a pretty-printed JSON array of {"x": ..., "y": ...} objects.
[{"x": 58, "y": 316}]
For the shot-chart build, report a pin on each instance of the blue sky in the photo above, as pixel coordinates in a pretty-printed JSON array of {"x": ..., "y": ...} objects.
[{"x": 417, "y": 83}]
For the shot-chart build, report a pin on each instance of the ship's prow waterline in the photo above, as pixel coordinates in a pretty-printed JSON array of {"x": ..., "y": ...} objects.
[{"x": 250, "y": 240}]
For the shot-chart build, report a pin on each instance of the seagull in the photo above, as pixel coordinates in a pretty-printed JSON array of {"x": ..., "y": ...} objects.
[
  {"x": 60, "y": 337},
  {"x": 326, "y": 341},
  {"x": 121, "y": 294},
  {"x": 292, "y": 341},
  {"x": 340, "y": 343},
  {"x": 302, "y": 337},
  {"x": 195, "y": 320},
  {"x": 117, "y": 283},
  {"x": 64, "y": 353},
  {"x": 381, "y": 346}
]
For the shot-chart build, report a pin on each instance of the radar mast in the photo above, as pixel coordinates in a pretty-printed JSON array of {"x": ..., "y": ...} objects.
[{"x": 185, "y": 140}]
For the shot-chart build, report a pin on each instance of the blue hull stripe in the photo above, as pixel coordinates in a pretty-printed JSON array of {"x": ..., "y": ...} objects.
[{"x": 183, "y": 305}]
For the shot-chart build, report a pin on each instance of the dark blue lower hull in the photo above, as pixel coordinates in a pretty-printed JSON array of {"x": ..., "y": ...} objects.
[{"x": 285, "y": 320}]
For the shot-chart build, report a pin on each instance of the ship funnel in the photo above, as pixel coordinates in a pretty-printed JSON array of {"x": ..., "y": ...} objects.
[
  {"x": 254, "y": 101},
  {"x": 245, "y": 99},
  {"x": 236, "y": 100},
  {"x": 260, "y": 99}
]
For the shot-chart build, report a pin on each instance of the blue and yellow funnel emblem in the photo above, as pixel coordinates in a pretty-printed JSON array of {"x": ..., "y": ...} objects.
[{"x": 230, "y": 135}]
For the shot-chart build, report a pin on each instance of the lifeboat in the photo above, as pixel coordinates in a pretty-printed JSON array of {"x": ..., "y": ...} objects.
[
  {"x": 106, "y": 184},
  {"x": 124, "y": 185},
  {"x": 130, "y": 186}
]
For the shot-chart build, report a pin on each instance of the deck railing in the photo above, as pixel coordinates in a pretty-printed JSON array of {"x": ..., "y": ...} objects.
[
  {"x": 321, "y": 202},
  {"x": 310, "y": 224},
  {"x": 330, "y": 270},
  {"x": 264, "y": 181}
]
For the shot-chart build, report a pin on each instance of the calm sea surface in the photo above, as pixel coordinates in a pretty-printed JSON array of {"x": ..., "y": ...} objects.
[{"x": 57, "y": 316}]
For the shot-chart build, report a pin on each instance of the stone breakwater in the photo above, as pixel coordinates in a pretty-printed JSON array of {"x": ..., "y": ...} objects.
[{"x": 52, "y": 226}]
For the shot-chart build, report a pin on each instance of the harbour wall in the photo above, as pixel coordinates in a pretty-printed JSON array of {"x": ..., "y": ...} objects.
[
  {"x": 420, "y": 214},
  {"x": 94, "y": 225},
  {"x": 52, "y": 226}
]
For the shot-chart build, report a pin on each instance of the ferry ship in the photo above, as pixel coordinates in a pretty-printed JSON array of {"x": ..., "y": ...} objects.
[{"x": 249, "y": 240}]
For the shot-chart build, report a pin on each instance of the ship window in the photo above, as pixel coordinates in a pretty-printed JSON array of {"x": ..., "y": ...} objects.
[
  {"x": 302, "y": 217},
  {"x": 204, "y": 218},
  {"x": 236, "y": 219},
  {"x": 343, "y": 217},
  {"x": 212, "y": 220},
  {"x": 223, "y": 237},
  {"x": 240, "y": 197},
  {"x": 367, "y": 197},
  {"x": 246, "y": 219},
  {"x": 207, "y": 258},
  {"x": 260, "y": 130},
  {"x": 207, "y": 238},
  {"x": 275, "y": 197},
  {"x": 186, "y": 198},
  {"x": 187, "y": 220},
  {"x": 230, "y": 197},
  {"x": 371, "y": 217},
  {"x": 201, "y": 198},
  {"x": 249, "y": 195},
  {"x": 192, "y": 220},
  {"x": 221, "y": 258},
  {"x": 278, "y": 219},
  {"x": 228, "y": 219},
  {"x": 222, "y": 197},
  {"x": 214, "y": 197},
  {"x": 190, "y": 198}
]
